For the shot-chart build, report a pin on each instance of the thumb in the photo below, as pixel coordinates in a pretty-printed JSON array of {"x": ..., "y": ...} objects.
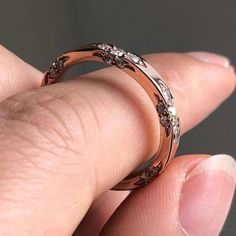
[{"x": 192, "y": 197}]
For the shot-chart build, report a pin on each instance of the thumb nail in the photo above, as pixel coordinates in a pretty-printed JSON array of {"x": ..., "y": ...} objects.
[
  {"x": 211, "y": 58},
  {"x": 207, "y": 195}
]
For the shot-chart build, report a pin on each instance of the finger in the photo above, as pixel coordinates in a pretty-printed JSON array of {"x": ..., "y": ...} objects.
[
  {"x": 16, "y": 75},
  {"x": 100, "y": 211},
  {"x": 72, "y": 141},
  {"x": 193, "y": 84},
  {"x": 192, "y": 197},
  {"x": 96, "y": 212}
]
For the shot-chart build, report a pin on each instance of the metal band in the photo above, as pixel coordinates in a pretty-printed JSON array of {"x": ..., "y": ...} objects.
[{"x": 159, "y": 93}]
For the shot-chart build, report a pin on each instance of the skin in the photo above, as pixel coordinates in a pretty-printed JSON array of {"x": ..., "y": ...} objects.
[{"x": 64, "y": 146}]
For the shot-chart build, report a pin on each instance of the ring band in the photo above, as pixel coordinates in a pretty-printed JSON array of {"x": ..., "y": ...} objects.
[{"x": 159, "y": 93}]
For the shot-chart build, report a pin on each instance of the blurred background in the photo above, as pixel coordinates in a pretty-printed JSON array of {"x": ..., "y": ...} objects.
[{"x": 39, "y": 31}]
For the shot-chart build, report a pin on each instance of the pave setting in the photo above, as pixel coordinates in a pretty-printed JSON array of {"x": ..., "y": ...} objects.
[
  {"x": 118, "y": 56},
  {"x": 166, "y": 92},
  {"x": 149, "y": 175},
  {"x": 56, "y": 68},
  {"x": 167, "y": 110}
]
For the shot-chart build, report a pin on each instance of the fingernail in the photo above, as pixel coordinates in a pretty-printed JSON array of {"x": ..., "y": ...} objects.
[
  {"x": 206, "y": 196},
  {"x": 211, "y": 58}
]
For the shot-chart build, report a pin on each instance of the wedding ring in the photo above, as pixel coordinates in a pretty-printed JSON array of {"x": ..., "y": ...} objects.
[{"x": 152, "y": 82}]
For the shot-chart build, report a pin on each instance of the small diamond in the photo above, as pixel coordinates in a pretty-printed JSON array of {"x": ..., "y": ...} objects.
[
  {"x": 174, "y": 120},
  {"x": 104, "y": 47},
  {"x": 176, "y": 128},
  {"x": 172, "y": 110},
  {"x": 132, "y": 57},
  {"x": 166, "y": 92},
  {"x": 168, "y": 97},
  {"x": 168, "y": 117},
  {"x": 52, "y": 73},
  {"x": 149, "y": 175},
  {"x": 120, "y": 63},
  {"x": 176, "y": 131},
  {"x": 161, "y": 107},
  {"x": 120, "y": 52},
  {"x": 108, "y": 58},
  {"x": 164, "y": 120},
  {"x": 56, "y": 68},
  {"x": 113, "y": 55},
  {"x": 117, "y": 51}
]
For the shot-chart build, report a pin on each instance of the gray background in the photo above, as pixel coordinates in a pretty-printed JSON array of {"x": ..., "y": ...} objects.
[{"x": 38, "y": 31}]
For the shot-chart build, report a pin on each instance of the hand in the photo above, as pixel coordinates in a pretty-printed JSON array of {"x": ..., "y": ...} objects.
[{"x": 64, "y": 146}]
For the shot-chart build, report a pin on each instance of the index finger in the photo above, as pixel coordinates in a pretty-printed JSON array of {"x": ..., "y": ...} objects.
[{"x": 79, "y": 138}]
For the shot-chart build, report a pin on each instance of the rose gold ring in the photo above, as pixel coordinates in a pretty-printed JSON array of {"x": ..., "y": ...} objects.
[{"x": 159, "y": 93}]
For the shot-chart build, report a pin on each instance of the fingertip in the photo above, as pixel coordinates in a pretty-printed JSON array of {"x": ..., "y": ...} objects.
[
  {"x": 211, "y": 58},
  {"x": 221, "y": 63},
  {"x": 206, "y": 196},
  {"x": 195, "y": 81},
  {"x": 192, "y": 196},
  {"x": 153, "y": 210}
]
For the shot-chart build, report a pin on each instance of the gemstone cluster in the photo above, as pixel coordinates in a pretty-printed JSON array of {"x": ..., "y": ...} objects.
[
  {"x": 167, "y": 111},
  {"x": 56, "y": 68},
  {"x": 149, "y": 174},
  {"x": 116, "y": 56}
]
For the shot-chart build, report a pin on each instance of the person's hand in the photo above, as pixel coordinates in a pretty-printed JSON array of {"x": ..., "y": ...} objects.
[{"x": 64, "y": 146}]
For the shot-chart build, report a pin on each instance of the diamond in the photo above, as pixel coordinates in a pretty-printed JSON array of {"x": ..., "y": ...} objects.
[
  {"x": 172, "y": 110},
  {"x": 164, "y": 120},
  {"x": 120, "y": 52},
  {"x": 174, "y": 120},
  {"x": 108, "y": 58},
  {"x": 117, "y": 51},
  {"x": 166, "y": 92},
  {"x": 168, "y": 97},
  {"x": 176, "y": 128},
  {"x": 120, "y": 63},
  {"x": 167, "y": 113},
  {"x": 132, "y": 57},
  {"x": 52, "y": 73},
  {"x": 161, "y": 108},
  {"x": 176, "y": 131},
  {"x": 149, "y": 174},
  {"x": 113, "y": 55},
  {"x": 104, "y": 47},
  {"x": 56, "y": 68}
]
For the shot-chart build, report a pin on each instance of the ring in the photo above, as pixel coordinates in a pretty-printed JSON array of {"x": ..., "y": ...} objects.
[{"x": 151, "y": 81}]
